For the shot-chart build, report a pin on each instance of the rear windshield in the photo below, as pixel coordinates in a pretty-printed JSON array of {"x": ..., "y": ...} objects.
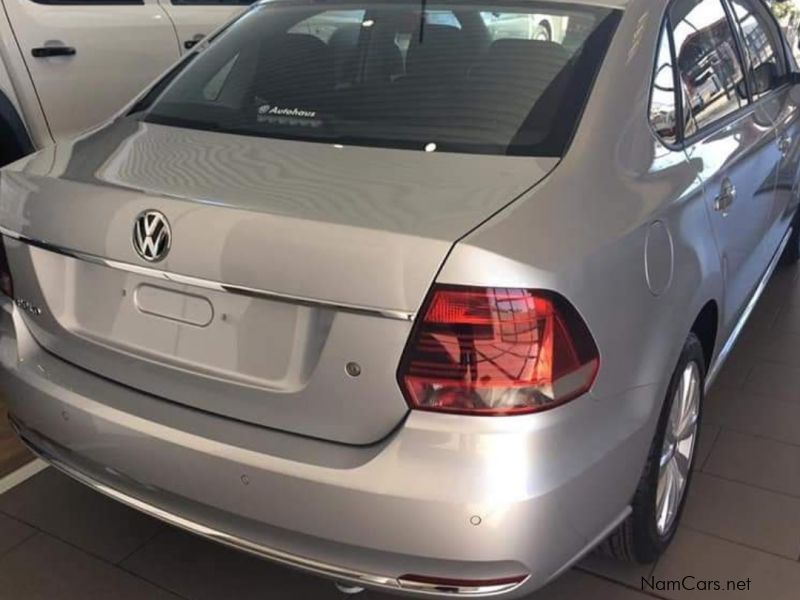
[{"x": 460, "y": 76}]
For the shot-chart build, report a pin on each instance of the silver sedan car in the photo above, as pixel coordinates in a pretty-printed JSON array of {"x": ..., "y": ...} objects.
[{"x": 402, "y": 294}]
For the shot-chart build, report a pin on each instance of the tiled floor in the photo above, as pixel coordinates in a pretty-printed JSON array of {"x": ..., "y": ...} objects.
[
  {"x": 12, "y": 453},
  {"x": 58, "y": 540}
]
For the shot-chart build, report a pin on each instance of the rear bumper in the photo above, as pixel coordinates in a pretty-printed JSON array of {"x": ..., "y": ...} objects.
[
  {"x": 444, "y": 496},
  {"x": 84, "y": 472}
]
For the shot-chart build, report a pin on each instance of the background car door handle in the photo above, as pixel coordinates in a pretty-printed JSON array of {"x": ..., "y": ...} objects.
[
  {"x": 189, "y": 44},
  {"x": 48, "y": 51},
  {"x": 726, "y": 196}
]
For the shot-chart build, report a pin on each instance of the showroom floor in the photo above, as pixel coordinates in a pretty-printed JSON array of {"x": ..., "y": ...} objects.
[
  {"x": 12, "y": 454},
  {"x": 58, "y": 540}
]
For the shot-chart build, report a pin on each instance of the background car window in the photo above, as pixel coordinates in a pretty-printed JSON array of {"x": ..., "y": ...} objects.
[
  {"x": 765, "y": 60},
  {"x": 708, "y": 62},
  {"x": 663, "y": 107}
]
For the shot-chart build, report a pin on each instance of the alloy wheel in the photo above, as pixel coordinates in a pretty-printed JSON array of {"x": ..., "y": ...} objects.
[{"x": 678, "y": 448}]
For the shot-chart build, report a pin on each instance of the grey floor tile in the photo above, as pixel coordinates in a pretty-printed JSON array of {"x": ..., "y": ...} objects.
[
  {"x": 708, "y": 436},
  {"x": 780, "y": 381},
  {"x": 12, "y": 533},
  {"x": 765, "y": 315},
  {"x": 702, "y": 557},
  {"x": 201, "y": 570},
  {"x": 777, "y": 346},
  {"x": 744, "y": 514},
  {"x": 757, "y": 461},
  {"x": 754, "y": 414},
  {"x": 618, "y": 570},
  {"x": 72, "y": 512},
  {"x": 44, "y": 568},
  {"x": 576, "y": 585},
  {"x": 735, "y": 371},
  {"x": 788, "y": 319},
  {"x": 783, "y": 289}
]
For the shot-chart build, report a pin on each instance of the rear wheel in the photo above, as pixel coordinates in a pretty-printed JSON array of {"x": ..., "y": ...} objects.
[{"x": 661, "y": 494}]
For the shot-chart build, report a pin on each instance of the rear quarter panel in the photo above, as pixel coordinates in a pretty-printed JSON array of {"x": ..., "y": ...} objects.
[{"x": 583, "y": 232}]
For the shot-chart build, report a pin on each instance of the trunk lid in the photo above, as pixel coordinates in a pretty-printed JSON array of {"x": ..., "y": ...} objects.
[{"x": 288, "y": 261}]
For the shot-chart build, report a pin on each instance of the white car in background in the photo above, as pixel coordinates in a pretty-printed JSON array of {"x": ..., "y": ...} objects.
[
  {"x": 67, "y": 65},
  {"x": 545, "y": 28}
]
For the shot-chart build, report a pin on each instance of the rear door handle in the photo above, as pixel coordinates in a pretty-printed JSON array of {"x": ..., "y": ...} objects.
[
  {"x": 726, "y": 197},
  {"x": 48, "y": 51},
  {"x": 785, "y": 144}
]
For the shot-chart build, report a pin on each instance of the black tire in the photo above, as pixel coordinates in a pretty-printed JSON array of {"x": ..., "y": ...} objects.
[
  {"x": 637, "y": 539},
  {"x": 791, "y": 254}
]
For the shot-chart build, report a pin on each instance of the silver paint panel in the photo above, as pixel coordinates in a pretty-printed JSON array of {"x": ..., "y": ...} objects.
[
  {"x": 49, "y": 452},
  {"x": 548, "y": 486}
]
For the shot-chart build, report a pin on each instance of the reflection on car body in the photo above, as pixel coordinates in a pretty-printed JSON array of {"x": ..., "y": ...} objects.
[{"x": 407, "y": 296}]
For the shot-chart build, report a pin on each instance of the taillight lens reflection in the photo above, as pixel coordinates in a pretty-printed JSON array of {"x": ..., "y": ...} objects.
[{"x": 497, "y": 351}]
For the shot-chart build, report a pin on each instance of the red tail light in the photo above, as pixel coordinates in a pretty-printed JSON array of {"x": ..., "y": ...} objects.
[
  {"x": 497, "y": 351},
  {"x": 6, "y": 285}
]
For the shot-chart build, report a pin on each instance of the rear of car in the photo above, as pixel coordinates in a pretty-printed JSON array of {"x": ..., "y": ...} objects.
[{"x": 225, "y": 308}]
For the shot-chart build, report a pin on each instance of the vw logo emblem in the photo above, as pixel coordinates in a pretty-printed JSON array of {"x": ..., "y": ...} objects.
[{"x": 152, "y": 236}]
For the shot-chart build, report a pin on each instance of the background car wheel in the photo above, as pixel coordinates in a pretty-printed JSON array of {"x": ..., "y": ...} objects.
[{"x": 661, "y": 494}]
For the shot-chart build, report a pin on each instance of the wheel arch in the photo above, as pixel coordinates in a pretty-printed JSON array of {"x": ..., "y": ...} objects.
[{"x": 706, "y": 328}]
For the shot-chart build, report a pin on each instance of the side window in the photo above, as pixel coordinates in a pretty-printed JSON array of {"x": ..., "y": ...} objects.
[
  {"x": 764, "y": 57},
  {"x": 708, "y": 62},
  {"x": 663, "y": 106}
]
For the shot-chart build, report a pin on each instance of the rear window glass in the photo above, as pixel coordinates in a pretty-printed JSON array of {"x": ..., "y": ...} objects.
[{"x": 463, "y": 76}]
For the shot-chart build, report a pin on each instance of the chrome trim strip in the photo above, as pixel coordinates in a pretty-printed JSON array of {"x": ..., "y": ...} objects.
[
  {"x": 208, "y": 284},
  {"x": 327, "y": 570},
  {"x": 748, "y": 310},
  {"x": 463, "y": 590}
]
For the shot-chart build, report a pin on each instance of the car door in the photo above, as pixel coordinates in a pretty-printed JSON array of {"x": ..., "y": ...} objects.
[
  {"x": 195, "y": 19},
  {"x": 732, "y": 142},
  {"x": 88, "y": 58},
  {"x": 768, "y": 63}
]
